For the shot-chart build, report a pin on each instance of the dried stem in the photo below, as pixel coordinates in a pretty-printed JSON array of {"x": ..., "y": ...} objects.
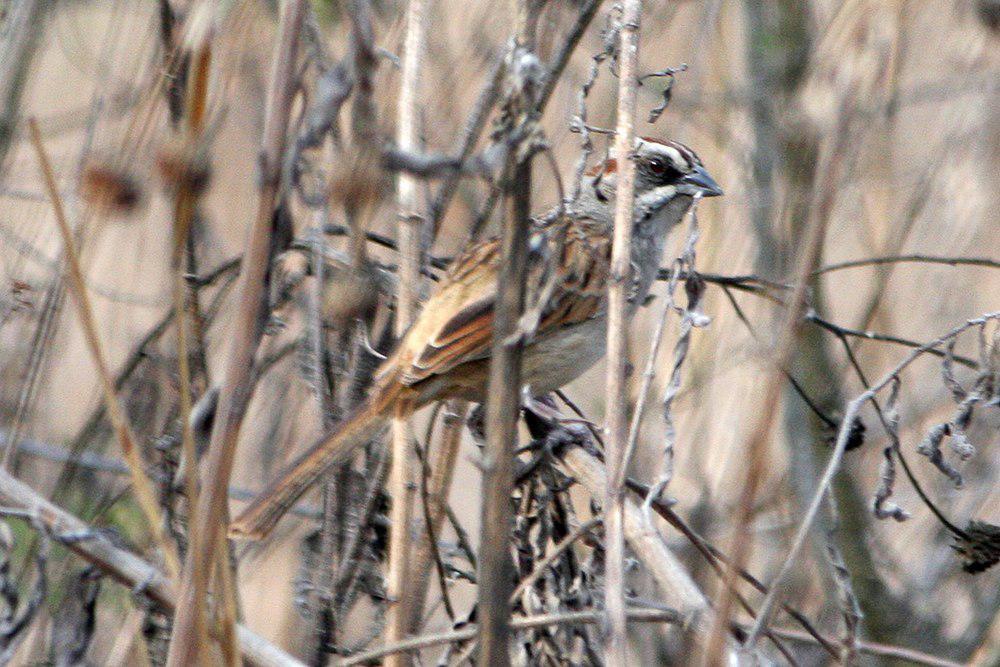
[
  {"x": 473, "y": 129},
  {"x": 914, "y": 258},
  {"x": 211, "y": 512},
  {"x": 495, "y": 571},
  {"x": 552, "y": 555},
  {"x": 828, "y": 174},
  {"x": 123, "y": 430},
  {"x": 401, "y": 472},
  {"x": 523, "y": 623},
  {"x": 185, "y": 209},
  {"x": 23, "y": 23},
  {"x": 664, "y": 567},
  {"x": 616, "y": 639}
]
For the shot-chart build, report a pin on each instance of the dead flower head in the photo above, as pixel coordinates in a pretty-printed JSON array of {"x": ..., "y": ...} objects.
[
  {"x": 110, "y": 188},
  {"x": 181, "y": 167}
]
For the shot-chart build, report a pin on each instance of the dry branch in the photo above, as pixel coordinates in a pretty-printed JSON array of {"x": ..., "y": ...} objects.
[
  {"x": 673, "y": 579},
  {"x": 523, "y": 623}
]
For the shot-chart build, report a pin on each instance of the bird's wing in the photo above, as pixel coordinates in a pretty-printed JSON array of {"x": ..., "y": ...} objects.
[{"x": 567, "y": 271}]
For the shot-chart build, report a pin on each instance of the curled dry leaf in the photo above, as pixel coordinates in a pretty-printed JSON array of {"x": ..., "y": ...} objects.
[{"x": 931, "y": 448}]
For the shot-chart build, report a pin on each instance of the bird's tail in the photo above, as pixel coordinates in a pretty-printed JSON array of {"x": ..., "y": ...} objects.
[{"x": 257, "y": 520}]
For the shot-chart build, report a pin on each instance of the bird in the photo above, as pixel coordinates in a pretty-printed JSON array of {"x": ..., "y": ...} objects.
[{"x": 446, "y": 351}]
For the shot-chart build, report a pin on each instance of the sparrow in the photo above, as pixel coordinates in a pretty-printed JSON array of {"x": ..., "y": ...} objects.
[{"x": 446, "y": 351}]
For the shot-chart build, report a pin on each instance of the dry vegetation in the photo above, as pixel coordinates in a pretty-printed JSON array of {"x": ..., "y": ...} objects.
[{"x": 808, "y": 430}]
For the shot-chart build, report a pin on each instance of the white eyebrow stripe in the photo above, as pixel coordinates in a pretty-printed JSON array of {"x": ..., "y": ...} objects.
[
  {"x": 677, "y": 159},
  {"x": 672, "y": 154}
]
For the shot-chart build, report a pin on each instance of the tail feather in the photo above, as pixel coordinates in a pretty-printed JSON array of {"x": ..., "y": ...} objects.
[{"x": 259, "y": 518}]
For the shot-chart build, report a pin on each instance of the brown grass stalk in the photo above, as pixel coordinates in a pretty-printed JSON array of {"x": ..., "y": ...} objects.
[
  {"x": 616, "y": 639},
  {"x": 186, "y": 201},
  {"x": 211, "y": 512},
  {"x": 141, "y": 485}
]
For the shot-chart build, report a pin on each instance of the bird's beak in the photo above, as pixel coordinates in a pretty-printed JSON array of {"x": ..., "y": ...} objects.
[{"x": 700, "y": 182}]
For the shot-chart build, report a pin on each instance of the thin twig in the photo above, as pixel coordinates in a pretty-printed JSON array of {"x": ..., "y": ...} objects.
[
  {"x": 716, "y": 559},
  {"x": 523, "y": 623},
  {"x": 473, "y": 129},
  {"x": 552, "y": 555},
  {"x": 838, "y": 330},
  {"x": 324, "y": 630},
  {"x": 824, "y": 193},
  {"x": 907, "y": 655},
  {"x": 915, "y": 258},
  {"x": 440, "y": 462}
]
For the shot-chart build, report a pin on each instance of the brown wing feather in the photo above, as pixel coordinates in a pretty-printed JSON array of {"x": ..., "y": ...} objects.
[{"x": 435, "y": 345}]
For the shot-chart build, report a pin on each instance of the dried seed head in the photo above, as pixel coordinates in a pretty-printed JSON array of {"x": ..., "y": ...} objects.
[
  {"x": 856, "y": 436},
  {"x": 182, "y": 168},
  {"x": 358, "y": 180},
  {"x": 110, "y": 189}
]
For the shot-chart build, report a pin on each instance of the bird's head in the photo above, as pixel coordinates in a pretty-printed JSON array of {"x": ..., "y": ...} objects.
[{"x": 665, "y": 171}]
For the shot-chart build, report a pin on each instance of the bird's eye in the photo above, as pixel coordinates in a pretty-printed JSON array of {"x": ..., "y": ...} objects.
[{"x": 662, "y": 169}]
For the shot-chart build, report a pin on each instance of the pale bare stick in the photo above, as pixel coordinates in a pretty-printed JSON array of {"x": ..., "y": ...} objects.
[
  {"x": 616, "y": 639},
  {"x": 401, "y": 471}
]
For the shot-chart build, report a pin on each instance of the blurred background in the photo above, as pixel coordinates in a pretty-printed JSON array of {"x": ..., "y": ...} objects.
[{"x": 882, "y": 115}]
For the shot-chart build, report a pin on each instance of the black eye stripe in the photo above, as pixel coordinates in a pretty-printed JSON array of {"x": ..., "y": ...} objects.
[{"x": 663, "y": 168}]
